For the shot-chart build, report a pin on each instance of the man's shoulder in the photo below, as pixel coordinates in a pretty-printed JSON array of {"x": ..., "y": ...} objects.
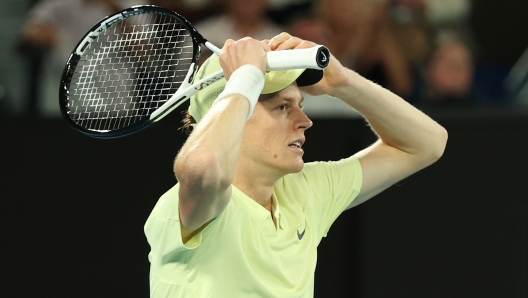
[
  {"x": 167, "y": 205},
  {"x": 318, "y": 174}
]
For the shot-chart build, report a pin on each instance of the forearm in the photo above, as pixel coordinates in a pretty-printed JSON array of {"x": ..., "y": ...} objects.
[
  {"x": 205, "y": 166},
  {"x": 211, "y": 151},
  {"x": 206, "y": 163},
  {"x": 396, "y": 122}
]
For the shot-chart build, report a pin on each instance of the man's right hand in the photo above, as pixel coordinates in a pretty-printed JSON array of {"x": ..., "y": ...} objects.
[{"x": 243, "y": 51}]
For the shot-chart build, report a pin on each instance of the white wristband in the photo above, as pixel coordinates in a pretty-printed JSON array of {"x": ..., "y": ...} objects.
[{"x": 247, "y": 80}]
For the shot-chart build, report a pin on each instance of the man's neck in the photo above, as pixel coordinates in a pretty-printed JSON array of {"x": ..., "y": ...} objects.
[{"x": 256, "y": 185}]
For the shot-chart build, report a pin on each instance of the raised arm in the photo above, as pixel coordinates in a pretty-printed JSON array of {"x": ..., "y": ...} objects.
[
  {"x": 408, "y": 140},
  {"x": 206, "y": 163}
]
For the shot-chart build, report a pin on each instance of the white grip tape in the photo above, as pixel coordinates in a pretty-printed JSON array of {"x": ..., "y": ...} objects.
[
  {"x": 293, "y": 59},
  {"x": 247, "y": 80}
]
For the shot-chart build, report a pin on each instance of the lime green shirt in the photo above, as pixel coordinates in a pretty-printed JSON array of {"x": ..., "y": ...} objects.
[{"x": 242, "y": 253}]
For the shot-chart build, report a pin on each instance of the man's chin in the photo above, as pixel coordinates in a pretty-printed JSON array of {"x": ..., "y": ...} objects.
[
  {"x": 298, "y": 168},
  {"x": 291, "y": 168}
]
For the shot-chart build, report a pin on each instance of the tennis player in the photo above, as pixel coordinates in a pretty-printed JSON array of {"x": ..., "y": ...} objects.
[{"x": 247, "y": 215}]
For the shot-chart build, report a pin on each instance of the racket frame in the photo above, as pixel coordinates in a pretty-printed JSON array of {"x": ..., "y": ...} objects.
[
  {"x": 276, "y": 60},
  {"x": 91, "y": 36}
]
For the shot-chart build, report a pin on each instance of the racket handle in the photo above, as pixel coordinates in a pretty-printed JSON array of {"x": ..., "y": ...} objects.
[{"x": 316, "y": 57}]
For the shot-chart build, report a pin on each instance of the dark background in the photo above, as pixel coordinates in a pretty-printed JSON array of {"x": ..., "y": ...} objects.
[
  {"x": 500, "y": 29},
  {"x": 73, "y": 210}
]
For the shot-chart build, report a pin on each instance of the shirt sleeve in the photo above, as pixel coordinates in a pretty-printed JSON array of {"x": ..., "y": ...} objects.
[
  {"x": 334, "y": 185},
  {"x": 163, "y": 230}
]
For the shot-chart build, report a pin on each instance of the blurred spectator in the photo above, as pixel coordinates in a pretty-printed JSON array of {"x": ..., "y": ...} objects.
[
  {"x": 52, "y": 30},
  {"x": 363, "y": 40},
  {"x": 516, "y": 80},
  {"x": 446, "y": 19},
  {"x": 238, "y": 19},
  {"x": 192, "y": 10},
  {"x": 420, "y": 24},
  {"x": 449, "y": 76},
  {"x": 307, "y": 26}
]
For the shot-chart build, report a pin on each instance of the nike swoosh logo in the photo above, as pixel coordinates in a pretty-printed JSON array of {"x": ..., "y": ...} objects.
[
  {"x": 300, "y": 235},
  {"x": 324, "y": 57}
]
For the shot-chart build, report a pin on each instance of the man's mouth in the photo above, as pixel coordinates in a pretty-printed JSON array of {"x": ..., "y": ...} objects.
[{"x": 297, "y": 143}]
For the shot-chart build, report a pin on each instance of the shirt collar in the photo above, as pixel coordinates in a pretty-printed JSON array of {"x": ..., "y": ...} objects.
[
  {"x": 262, "y": 213},
  {"x": 275, "y": 208}
]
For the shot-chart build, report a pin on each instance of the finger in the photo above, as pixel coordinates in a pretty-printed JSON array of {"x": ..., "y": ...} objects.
[
  {"x": 306, "y": 44},
  {"x": 294, "y": 43},
  {"x": 227, "y": 43},
  {"x": 266, "y": 46},
  {"x": 290, "y": 43},
  {"x": 278, "y": 39},
  {"x": 253, "y": 42}
]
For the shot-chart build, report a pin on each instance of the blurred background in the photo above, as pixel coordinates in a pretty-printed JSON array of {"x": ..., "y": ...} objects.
[{"x": 72, "y": 208}]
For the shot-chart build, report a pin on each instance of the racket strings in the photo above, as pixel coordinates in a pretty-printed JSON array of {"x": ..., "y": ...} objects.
[{"x": 129, "y": 71}]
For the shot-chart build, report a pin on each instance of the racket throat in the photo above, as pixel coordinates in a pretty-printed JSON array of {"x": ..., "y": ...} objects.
[{"x": 185, "y": 91}]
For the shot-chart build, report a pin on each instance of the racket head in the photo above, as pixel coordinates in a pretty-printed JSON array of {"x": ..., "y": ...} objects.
[{"x": 124, "y": 68}]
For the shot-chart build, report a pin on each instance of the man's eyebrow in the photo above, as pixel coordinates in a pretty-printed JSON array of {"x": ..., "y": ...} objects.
[
  {"x": 272, "y": 96},
  {"x": 291, "y": 99},
  {"x": 265, "y": 97}
]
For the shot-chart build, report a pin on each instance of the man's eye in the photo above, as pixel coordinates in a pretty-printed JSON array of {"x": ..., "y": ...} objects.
[{"x": 282, "y": 107}]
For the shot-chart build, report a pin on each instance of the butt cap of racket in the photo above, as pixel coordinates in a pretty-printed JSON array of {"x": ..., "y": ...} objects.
[{"x": 275, "y": 81}]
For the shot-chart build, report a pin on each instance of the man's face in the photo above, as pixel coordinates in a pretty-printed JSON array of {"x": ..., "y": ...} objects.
[
  {"x": 451, "y": 70},
  {"x": 274, "y": 134}
]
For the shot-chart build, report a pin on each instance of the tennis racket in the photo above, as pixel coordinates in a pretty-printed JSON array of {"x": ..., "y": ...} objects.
[{"x": 136, "y": 66}]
